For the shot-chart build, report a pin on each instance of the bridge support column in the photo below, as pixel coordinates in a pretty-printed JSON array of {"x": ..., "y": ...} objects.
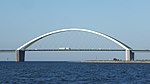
[
  {"x": 129, "y": 55},
  {"x": 20, "y": 55}
]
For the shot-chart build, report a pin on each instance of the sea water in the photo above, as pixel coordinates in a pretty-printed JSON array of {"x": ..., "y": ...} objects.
[{"x": 74, "y": 73}]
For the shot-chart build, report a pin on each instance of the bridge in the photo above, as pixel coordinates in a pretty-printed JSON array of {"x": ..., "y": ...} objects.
[{"x": 20, "y": 52}]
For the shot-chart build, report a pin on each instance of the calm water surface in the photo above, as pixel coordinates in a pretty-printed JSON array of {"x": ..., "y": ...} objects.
[{"x": 74, "y": 73}]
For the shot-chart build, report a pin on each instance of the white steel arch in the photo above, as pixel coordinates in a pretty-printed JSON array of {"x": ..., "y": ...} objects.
[
  {"x": 26, "y": 45},
  {"x": 20, "y": 53}
]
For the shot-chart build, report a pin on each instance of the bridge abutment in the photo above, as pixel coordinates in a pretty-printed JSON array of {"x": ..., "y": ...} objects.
[
  {"x": 20, "y": 55},
  {"x": 129, "y": 55}
]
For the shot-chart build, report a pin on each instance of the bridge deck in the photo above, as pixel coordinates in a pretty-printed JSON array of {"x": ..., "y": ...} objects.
[
  {"x": 7, "y": 51},
  {"x": 75, "y": 50}
]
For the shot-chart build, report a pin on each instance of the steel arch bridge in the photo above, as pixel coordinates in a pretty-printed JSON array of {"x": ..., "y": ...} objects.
[{"x": 20, "y": 52}]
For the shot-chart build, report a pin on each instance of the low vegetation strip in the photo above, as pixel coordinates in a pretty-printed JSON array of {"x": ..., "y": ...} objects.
[{"x": 118, "y": 61}]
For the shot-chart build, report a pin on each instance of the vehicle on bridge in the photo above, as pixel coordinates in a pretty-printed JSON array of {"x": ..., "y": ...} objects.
[{"x": 64, "y": 48}]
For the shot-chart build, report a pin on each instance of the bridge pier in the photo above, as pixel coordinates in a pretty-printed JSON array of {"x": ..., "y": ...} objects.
[
  {"x": 129, "y": 55},
  {"x": 20, "y": 55}
]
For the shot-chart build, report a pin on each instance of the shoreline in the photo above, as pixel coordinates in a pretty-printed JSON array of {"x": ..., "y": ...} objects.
[
  {"x": 118, "y": 61},
  {"x": 90, "y": 61}
]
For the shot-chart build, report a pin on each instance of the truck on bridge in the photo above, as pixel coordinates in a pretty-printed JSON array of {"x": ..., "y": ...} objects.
[{"x": 65, "y": 48}]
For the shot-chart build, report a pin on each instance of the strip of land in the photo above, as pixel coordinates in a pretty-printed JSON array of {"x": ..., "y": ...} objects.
[{"x": 117, "y": 61}]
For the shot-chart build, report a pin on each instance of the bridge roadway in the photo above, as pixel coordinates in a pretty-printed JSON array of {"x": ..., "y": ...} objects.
[
  {"x": 74, "y": 50},
  {"x": 7, "y": 51},
  {"x": 137, "y": 50}
]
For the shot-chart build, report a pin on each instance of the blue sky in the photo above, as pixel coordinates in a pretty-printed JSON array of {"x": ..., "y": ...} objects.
[{"x": 126, "y": 20}]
